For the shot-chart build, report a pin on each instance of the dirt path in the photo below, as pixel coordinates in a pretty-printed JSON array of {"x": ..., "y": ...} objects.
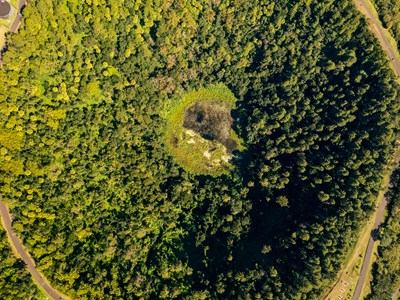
[{"x": 5, "y": 215}]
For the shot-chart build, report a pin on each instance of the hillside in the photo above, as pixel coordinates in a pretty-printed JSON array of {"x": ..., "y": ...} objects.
[{"x": 107, "y": 209}]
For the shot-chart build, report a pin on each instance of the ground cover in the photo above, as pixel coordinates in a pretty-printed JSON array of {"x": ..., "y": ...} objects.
[
  {"x": 3, "y": 31},
  {"x": 199, "y": 133}
]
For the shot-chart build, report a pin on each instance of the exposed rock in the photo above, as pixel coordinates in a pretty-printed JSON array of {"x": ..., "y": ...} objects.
[{"x": 207, "y": 154}]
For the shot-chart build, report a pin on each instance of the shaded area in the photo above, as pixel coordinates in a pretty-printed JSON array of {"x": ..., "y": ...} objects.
[{"x": 212, "y": 121}]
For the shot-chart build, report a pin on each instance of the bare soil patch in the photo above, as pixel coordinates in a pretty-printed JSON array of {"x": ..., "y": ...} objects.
[{"x": 212, "y": 121}]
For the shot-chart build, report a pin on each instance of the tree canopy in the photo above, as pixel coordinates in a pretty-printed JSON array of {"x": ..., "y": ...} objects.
[
  {"x": 107, "y": 212},
  {"x": 15, "y": 280}
]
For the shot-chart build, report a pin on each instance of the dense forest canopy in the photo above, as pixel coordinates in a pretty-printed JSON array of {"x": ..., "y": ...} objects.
[
  {"x": 107, "y": 212},
  {"x": 15, "y": 280}
]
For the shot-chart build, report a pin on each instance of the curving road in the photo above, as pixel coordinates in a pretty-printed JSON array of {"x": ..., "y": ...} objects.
[
  {"x": 5, "y": 215},
  {"x": 368, "y": 254},
  {"x": 376, "y": 28},
  {"x": 18, "y": 18}
]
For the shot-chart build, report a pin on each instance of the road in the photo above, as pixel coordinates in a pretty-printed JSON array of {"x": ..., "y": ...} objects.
[
  {"x": 368, "y": 253},
  {"x": 18, "y": 18},
  {"x": 376, "y": 28},
  {"x": 5, "y": 215}
]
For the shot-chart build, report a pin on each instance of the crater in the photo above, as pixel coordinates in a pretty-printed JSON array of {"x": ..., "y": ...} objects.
[
  {"x": 199, "y": 133},
  {"x": 212, "y": 121}
]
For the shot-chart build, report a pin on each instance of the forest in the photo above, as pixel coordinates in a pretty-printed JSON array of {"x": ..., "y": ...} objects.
[
  {"x": 15, "y": 280},
  {"x": 107, "y": 212},
  {"x": 386, "y": 269}
]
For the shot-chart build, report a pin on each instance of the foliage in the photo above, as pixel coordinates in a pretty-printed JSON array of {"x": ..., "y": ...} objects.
[
  {"x": 192, "y": 151},
  {"x": 389, "y": 13},
  {"x": 386, "y": 269},
  {"x": 105, "y": 210},
  {"x": 15, "y": 280}
]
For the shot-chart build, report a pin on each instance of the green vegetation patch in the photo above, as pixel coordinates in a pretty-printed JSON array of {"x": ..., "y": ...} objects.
[
  {"x": 15, "y": 280},
  {"x": 386, "y": 269},
  {"x": 199, "y": 132}
]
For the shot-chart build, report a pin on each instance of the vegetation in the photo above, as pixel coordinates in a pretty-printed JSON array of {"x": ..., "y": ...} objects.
[
  {"x": 389, "y": 13},
  {"x": 107, "y": 212},
  {"x": 386, "y": 269},
  {"x": 199, "y": 132},
  {"x": 15, "y": 280}
]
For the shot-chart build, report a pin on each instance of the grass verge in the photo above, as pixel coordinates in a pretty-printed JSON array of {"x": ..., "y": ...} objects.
[
  {"x": 3, "y": 31},
  {"x": 386, "y": 33},
  {"x": 348, "y": 277},
  {"x": 367, "y": 285},
  {"x": 346, "y": 284}
]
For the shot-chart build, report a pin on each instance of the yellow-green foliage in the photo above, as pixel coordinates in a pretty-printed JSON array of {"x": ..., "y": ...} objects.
[
  {"x": 189, "y": 148},
  {"x": 11, "y": 139}
]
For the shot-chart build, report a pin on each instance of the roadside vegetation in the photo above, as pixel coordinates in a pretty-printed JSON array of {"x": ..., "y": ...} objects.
[
  {"x": 386, "y": 269},
  {"x": 15, "y": 280},
  {"x": 389, "y": 14},
  {"x": 107, "y": 209}
]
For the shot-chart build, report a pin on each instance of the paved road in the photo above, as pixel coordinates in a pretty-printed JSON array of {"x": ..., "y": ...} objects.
[
  {"x": 18, "y": 18},
  {"x": 376, "y": 27},
  {"x": 377, "y": 30},
  {"x": 368, "y": 254},
  {"x": 22, "y": 252}
]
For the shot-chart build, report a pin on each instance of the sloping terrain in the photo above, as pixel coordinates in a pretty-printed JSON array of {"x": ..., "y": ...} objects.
[{"x": 104, "y": 209}]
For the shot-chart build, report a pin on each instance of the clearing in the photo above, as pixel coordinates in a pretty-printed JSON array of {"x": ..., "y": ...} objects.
[{"x": 199, "y": 132}]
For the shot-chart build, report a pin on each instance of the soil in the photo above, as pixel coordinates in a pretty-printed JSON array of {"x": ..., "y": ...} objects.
[{"x": 212, "y": 121}]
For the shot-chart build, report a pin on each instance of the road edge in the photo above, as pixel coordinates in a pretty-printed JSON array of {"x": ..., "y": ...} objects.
[{"x": 38, "y": 278}]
